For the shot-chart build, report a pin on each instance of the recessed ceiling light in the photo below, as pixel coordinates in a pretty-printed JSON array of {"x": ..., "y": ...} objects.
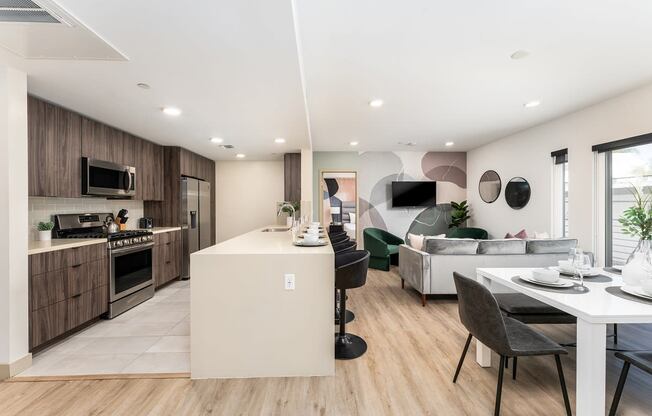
[
  {"x": 520, "y": 54},
  {"x": 216, "y": 140},
  {"x": 143, "y": 85},
  {"x": 376, "y": 103},
  {"x": 240, "y": 155},
  {"x": 353, "y": 143},
  {"x": 532, "y": 104},
  {"x": 171, "y": 111},
  {"x": 449, "y": 144},
  {"x": 279, "y": 140}
]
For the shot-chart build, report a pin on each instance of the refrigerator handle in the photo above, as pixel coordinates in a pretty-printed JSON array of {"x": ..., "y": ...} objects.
[{"x": 193, "y": 219}]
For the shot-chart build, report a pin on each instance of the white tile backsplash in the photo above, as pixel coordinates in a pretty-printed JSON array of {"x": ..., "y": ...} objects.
[{"x": 44, "y": 209}]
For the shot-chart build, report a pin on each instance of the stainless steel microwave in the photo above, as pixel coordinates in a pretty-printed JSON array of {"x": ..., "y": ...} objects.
[{"x": 107, "y": 179}]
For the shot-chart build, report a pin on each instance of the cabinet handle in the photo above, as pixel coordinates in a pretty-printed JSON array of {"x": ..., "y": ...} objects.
[
  {"x": 76, "y": 296},
  {"x": 76, "y": 265},
  {"x": 168, "y": 243},
  {"x": 168, "y": 262}
]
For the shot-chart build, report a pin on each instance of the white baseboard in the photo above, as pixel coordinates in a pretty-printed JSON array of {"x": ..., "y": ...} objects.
[{"x": 17, "y": 367}]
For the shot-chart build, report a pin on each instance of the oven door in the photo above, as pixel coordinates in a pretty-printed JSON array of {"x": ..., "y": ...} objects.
[
  {"x": 131, "y": 270},
  {"x": 106, "y": 178}
]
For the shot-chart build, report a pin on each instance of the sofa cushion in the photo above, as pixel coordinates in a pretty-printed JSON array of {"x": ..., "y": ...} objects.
[
  {"x": 415, "y": 241},
  {"x": 507, "y": 246},
  {"x": 547, "y": 246},
  {"x": 451, "y": 246}
]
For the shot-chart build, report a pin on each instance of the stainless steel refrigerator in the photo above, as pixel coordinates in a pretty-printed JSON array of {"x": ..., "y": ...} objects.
[{"x": 195, "y": 220}]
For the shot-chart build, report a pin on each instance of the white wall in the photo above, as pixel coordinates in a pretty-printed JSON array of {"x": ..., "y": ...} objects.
[
  {"x": 246, "y": 195},
  {"x": 13, "y": 222},
  {"x": 527, "y": 154}
]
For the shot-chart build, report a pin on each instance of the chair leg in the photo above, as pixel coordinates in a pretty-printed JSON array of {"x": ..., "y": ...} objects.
[
  {"x": 423, "y": 299},
  {"x": 459, "y": 365},
  {"x": 619, "y": 389},
  {"x": 402, "y": 283},
  {"x": 562, "y": 381},
  {"x": 499, "y": 387},
  {"x": 514, "y": 368},
  {"x": 615, "y": 333},
  {"x": 506, "y": 362}
]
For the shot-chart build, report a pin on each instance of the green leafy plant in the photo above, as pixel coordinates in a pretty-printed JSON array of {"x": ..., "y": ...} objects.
[
  {"x": 45, "y": 226},
  {"x": 637, "y": 219},
  {"x": 460, "y": 214},
  {"x": 295, "y": 204}
]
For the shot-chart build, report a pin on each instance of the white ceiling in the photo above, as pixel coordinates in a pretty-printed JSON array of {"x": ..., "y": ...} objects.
[{"x": 442, "y": 68}]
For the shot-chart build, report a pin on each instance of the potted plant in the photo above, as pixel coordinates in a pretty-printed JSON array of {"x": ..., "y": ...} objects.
[
  {"x": 636, "y": 221},
  {"x": 45, "y": 230},
  {"x": 459, "y": 215}
]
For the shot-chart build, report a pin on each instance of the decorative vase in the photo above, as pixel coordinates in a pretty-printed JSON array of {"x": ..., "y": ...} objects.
[
  {"x": 45, "y": 235},
  {"x": 639, "y": 264}
]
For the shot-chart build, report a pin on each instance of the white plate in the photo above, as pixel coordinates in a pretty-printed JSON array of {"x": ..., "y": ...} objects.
[
  {"x": 593, "y": 273},
  {"x": 636, "y": 291},
  {"x": 559, "y": 284},
  {"x": 307, "y": 244}
]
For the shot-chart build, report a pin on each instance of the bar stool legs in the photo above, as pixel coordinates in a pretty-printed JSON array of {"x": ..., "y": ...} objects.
[
  {"x": 347, "y": 346},
  {"x": 349, "y": 316}
]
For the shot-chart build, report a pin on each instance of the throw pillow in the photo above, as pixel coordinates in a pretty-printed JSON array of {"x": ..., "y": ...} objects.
[
  {"x": 521, "y": 234},
  {"x": 509, "y": 235},
  {"x": 415, "y": 241},
  {"x": 352, "y": 217}
]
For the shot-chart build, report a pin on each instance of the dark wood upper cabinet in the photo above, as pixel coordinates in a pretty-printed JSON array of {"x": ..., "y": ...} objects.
[
  {"x": 149, "y": 171},
  {"x": 292, "y": 163},
  {"x": 54, "y": 150},
  {"x": 103, "y": 142}
]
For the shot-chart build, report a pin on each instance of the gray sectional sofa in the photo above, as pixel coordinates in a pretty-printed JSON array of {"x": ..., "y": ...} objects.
[{"x": 430, "y": 270}]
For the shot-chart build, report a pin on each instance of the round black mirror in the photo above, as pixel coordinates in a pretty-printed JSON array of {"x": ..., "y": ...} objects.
[
  {"x": 517, "y": 193},
  {"x": 489, "y": 186}
]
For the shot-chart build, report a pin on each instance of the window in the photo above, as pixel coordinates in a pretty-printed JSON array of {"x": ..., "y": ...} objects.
[{"x": 560, "y": 190}]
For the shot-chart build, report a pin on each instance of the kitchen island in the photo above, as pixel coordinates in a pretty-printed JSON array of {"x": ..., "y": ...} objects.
[{"x": 262, "y": 307}]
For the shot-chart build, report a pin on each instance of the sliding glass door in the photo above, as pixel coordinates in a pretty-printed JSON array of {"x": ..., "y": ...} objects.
[{"x": 626, "y": 168}]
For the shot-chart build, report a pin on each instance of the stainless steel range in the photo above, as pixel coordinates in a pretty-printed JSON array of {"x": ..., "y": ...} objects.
[{"x": 131, "y": 278}]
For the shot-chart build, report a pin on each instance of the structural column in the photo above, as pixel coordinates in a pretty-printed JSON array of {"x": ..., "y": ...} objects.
[{"x": 14, "y": 354}]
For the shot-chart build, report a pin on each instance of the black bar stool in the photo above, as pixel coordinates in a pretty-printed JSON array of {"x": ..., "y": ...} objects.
[
  {"x": 336, "y": 234},
  {"x": 350, "y": 272},
  {"x": 341, "y": 248},
  {"x": 339, "y": 238},
  {"x": 344, "y": 246}
]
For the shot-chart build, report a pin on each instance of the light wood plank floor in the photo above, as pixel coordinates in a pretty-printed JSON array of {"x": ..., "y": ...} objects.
[{"x": 406, "y": 371}]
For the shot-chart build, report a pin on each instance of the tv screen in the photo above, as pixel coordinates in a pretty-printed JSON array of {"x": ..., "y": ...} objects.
[{"x": 414, "y": 194}]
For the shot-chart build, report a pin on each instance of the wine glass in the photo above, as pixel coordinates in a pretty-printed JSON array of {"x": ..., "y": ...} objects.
[{"x": 582, "y": 265}]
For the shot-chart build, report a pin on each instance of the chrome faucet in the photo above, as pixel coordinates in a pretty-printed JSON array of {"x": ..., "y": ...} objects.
[{"x": 286, "y": 204}]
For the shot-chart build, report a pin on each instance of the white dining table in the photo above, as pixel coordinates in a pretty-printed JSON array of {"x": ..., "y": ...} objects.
[{"x": 594, "y": 310}]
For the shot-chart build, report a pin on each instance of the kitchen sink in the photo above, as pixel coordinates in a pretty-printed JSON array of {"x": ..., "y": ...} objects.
[{"x": 275, "y": 229}]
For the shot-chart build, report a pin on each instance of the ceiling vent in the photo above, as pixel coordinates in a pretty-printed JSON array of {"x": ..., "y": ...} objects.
[
  {"x": 227, "y": 146},
  {"x": 24, "y": 11}
]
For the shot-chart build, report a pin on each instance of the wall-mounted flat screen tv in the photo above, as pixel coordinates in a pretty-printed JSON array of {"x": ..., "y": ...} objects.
[{"x": 414, "y": 194}]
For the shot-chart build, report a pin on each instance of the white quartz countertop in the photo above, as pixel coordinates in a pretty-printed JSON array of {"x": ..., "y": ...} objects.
[
  {"x": 260, "y": 242},
  {"x": 37, "y": 247}
]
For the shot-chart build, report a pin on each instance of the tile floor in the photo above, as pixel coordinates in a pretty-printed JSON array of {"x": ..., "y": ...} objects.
[{"x": 153, "y": 337}]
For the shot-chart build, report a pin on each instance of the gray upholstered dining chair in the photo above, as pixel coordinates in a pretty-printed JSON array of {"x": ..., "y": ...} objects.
[{"x": 480, "y": 314}]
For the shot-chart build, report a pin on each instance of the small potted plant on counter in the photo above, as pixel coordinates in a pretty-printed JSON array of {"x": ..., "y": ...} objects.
[{"x": 45, "y": 230}]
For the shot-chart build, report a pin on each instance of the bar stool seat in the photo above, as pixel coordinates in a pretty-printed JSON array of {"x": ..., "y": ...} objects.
[
  {"x": 350, "y": 273},
  {"x": 339, "y": 238}
]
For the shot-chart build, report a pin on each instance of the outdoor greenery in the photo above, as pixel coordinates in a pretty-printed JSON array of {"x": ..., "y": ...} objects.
[
  {"x": 637, "y": 219},
  {"x": 460, "y": 214}
]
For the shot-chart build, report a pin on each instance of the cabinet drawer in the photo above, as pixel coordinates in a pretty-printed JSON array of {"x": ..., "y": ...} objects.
[
  {"x": 85, "y": 306},
  {"x": 60, "y": 259},
  {"x": 87, "y": 276},
  {"x": 48, "y": 323},
  {"x": 48, "y": 288},
  {"x": 167, "y": 238}
]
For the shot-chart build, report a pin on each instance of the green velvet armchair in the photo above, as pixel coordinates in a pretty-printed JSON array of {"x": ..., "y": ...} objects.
[
  {"x": 382, "y": 246},
  {"x": 469, "y": 232}
]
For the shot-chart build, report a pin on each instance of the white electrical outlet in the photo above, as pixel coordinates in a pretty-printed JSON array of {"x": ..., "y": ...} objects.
[{"x": 289, "y": 281}]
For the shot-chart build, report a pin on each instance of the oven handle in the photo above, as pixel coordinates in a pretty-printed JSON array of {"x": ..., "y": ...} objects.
[{"x": 126, "y": 250}]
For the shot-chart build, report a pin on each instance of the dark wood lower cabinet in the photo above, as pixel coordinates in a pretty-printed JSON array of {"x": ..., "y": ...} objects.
[{"x": 167, "y": 257}]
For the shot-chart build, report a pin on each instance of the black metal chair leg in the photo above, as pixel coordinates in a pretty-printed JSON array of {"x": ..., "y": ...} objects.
[
  {"x": 514, "y": 368},
  {"x": 499, "y": 387},
  {"x": 619, "y": 389},
  {"x": 506, "y": 362},
  {"x": 562, "y": 381},
  {"x": 459, "y": 365},
  {"x": 615, "y": 333}
]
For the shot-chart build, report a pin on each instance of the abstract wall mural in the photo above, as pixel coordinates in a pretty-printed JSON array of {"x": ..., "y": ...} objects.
[{"x": 377, "y": 171}]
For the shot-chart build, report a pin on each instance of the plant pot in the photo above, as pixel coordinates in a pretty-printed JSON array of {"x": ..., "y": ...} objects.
[
  {"x": 45, "y": 235},
  {"x": 639, "y": 265}
]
